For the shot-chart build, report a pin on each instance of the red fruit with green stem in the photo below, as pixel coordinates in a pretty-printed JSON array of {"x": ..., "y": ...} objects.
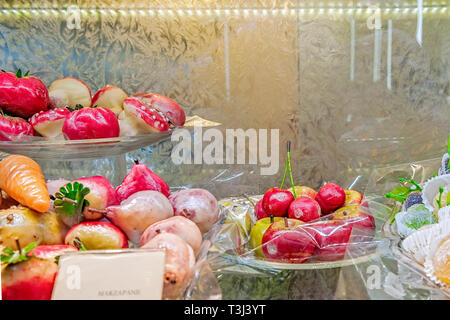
[
  {"x": 91, "y": 123},
  {"x": 276, "y": 201},
  {"x": 22, "y": 95},
  {"x": 31, "y": 271},
  {"x": 13, "y": 128},
  {"x": 141, "y": 178},
  {"x": 330, "y": 197},
  {"x": 304, "y": 209}
]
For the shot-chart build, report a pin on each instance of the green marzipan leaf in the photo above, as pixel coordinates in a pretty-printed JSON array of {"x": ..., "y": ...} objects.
[
  {"x": 76, "y": 192},
  {"x": 9, "y": 256},
  {"x": 400, "y": 193}
]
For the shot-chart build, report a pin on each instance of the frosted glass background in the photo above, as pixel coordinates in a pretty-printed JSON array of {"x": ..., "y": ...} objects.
[{"x": 315, "y": 70}]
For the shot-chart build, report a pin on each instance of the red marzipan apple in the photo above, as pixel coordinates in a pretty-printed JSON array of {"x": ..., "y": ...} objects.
[
  {"x": 172, "y": 110},
  {"x": 139, "y": 211},
  {"x": 13, "y": 128},
  {"x": 198, "y": 205},
  {"x": 22, "y": 96},
  {"x": 331, "y": 237},
  {"x": 286, "y": 241},
  {"x": 276, "y": 202},
  {"x": 140, "y": 118},
  {"x": 304, "y": 209},
  {"x": 49, "y": 123},
  {"x": 259, "y": 210},
  {"x": 179, "y": 265},
  {"x": 101, "y": 195},
  {"x": 69, "y": 92},
  {"x": 141, "y": 178},
  {"x": 34, "y": 278},
  {"x": 110, "y": 97},
  {"x": 97, "y": 235},
  {"x": 352, "y": 197},
  {"x": 178, "y": 225},
  {"x": 330, "y": 197},
  {"x": 91, "y": 123}
]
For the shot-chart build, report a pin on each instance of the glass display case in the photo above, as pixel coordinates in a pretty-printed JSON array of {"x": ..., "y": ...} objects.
[{"x": 353, "y": 85}]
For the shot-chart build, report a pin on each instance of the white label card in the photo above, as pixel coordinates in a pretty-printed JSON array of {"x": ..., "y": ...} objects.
[{"x": 130, "y": 274}]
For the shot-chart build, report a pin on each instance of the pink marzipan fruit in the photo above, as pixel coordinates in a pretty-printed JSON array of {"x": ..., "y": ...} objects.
[
  {"x": 110, "y": 97},
  {"x": 100, "y": 196},
  {"x": 69, "y": 91},
  {"x": 172, "y": 110},
  {"x": 141, "y": 178},
  {"x": 49, "y": 123},
  {"x": 146, "y": 118},
  {"x": 198, "y": 205},
  {"x": 34, "y": 278},
  {"x": 91, "y": 123},
  {"x": 12, "y": 128},
  {"x": 179, "y": 266},
  {"x": 23, "y": 96},
  {"x": 139, "y": 211},
  {"x": 179, "y": 225}
]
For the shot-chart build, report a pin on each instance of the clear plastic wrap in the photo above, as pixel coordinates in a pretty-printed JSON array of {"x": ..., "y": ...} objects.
[
  {"x": 350, "y": 242},
  {"x": 119, "y": 226},
  {"x": 373, "y": 265},
  {"x": 245, "y": 273},
  {"x": 411, "y": 240},
  {"x": 196, "y": 281}
]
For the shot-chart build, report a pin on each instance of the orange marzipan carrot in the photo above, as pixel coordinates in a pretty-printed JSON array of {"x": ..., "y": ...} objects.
[{"x": 22, "y": 179}]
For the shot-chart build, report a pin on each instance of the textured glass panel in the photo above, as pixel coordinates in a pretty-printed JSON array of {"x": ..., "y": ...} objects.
[{"x": 348, "y": 95}]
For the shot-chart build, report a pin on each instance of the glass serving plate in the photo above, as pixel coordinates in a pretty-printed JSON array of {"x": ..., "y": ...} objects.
[
  {"x": 248, "y": 259},
  {"x": 41, "y": 148},
  {"x": 265, "y": 264},
  {"x": 403, "y": 257},
  {"x": 81, "y": 149}
]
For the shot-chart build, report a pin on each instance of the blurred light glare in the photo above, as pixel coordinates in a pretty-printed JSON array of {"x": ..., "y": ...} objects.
[{"x": 200, "y": 12}]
